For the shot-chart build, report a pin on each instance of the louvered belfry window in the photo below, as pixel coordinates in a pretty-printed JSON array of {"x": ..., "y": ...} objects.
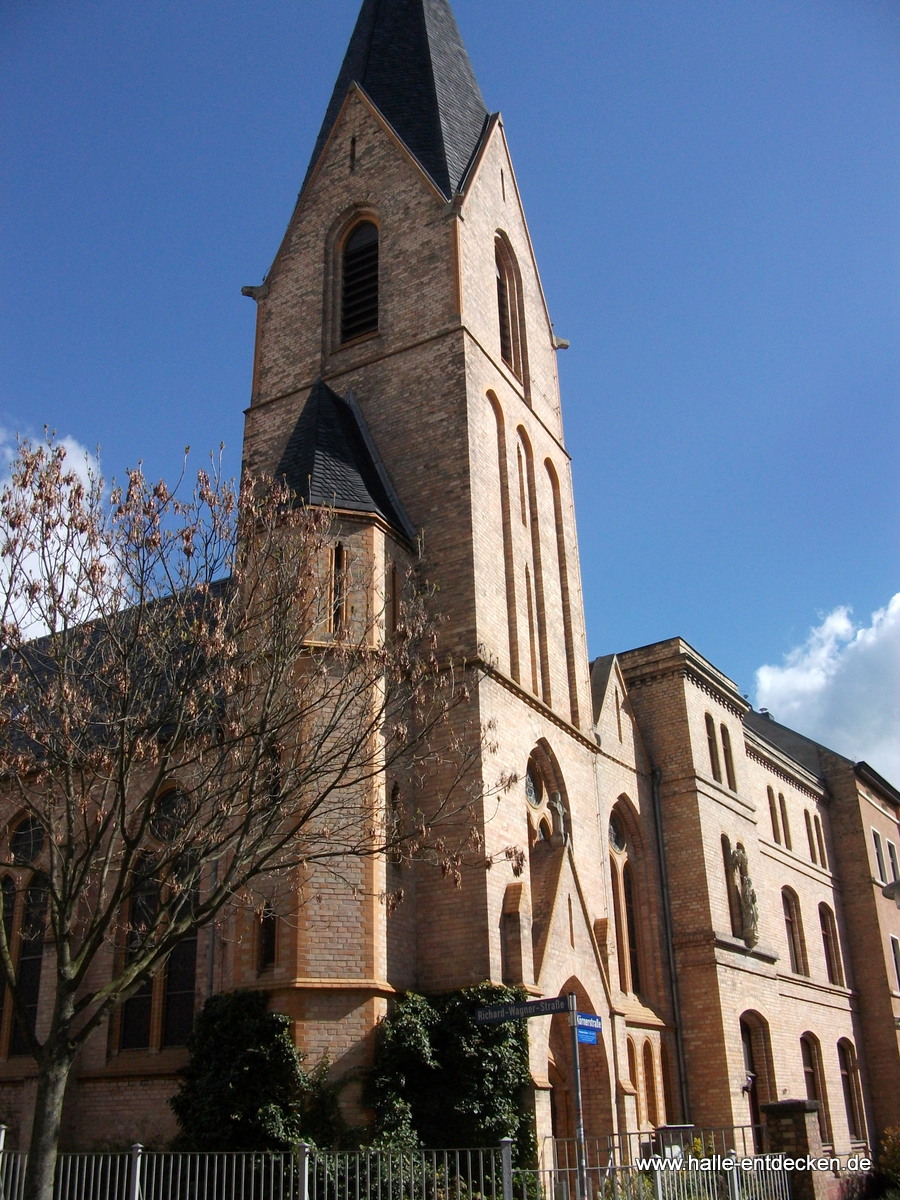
[{"x": 359, "y": 291}]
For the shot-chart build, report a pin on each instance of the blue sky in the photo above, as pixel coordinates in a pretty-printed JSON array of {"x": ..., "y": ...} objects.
[{"x": 713, "y": 190}]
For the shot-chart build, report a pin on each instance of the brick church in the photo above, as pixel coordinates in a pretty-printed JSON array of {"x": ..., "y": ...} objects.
[{"x": 706, "y": 880}]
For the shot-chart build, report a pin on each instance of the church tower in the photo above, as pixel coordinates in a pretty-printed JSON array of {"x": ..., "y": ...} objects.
[{"x": 405, "y": 373}]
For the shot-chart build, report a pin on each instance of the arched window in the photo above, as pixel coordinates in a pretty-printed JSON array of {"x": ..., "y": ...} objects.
[
  {"x": 359, "y": 282},
  {"x": 794, "y": 931},
  {"x": 509, "y": 308},
  {"x": 268, "y": 937},
  {"x": 729, "y": 761},
  {"x": 338, "y": 589},
  {"x": 814, "y": 1080},
  {"x": 809, "y": 836},
  {"x": 24, "y": 924},
  {"x": 24, "y": 919},
  {"x": 633, "y": 1075},
  {"x": 831, "y": 946},
  {"x": 759, "y": 1084},
  {"x": 785, "y": 825},
  {"x": 625, "y": 898},
  {"x": 161, "y": 1011},
  {"x": 634, "y": 961},
  {"x": 820, "y": 842},
  {"x": 650, "y": 1085},
  {"x": 773, "y": 816},
  {"x": 137, "y": 1011},
  {"x": 713, "y": 748},
  {"x": 850, "y": 1088}
]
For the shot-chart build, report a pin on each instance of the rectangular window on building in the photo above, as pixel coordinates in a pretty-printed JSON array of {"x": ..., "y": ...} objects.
[
  {"x": 881, "y": 875},
  {"x": 895, "y": 946},
  {"x": 892, "y": 857}
]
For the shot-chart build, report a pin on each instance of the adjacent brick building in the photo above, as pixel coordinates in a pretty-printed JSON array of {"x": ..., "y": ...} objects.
[{"x": 707, "y": 882}]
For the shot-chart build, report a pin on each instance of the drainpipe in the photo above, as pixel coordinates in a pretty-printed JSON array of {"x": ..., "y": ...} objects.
[{"x": 655, "y": 776}]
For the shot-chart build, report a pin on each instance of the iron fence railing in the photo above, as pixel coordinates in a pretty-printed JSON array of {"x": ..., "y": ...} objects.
[{"x": 626, "y": 1167}]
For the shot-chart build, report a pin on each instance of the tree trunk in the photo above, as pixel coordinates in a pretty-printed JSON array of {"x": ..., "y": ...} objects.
[{"x": 53, "y": 1074}]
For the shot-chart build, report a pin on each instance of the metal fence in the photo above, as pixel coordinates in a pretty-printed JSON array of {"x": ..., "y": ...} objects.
[
  {"x": 623, "y": 1149},
  {"x": 654, "y": 1171},
  {"x": 301, "y": 1175}
]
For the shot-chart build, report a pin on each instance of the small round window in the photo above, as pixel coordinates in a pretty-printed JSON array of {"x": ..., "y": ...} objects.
[
  {"x": 534, "y": 786},
  {"x": 616, "y": 834},
  {"x": 27, "y": 841}
]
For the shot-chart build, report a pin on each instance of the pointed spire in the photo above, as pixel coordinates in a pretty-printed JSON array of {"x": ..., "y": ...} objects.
[{"x": 409, "y": 59}]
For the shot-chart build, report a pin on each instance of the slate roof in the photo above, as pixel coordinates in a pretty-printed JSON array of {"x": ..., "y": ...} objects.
[
  {"x": 409, "y": 59},
  {"x": 330, "y": 459},
  {"x": 802, "y": 749}
]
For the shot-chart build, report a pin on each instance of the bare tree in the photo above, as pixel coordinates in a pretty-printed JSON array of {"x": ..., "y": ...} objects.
[{"x": 192, "y": 640}]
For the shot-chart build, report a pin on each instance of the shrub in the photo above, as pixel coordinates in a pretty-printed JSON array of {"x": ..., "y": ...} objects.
[{"x": 244, "y": 1087}]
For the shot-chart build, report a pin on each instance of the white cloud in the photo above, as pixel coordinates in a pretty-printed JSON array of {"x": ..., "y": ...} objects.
[{"x": 842, "y": 687}]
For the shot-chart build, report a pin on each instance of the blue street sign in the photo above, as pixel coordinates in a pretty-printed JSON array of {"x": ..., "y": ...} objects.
[
  {"x": 521, "y": 1010},
  {"x": 588, "y": 1026}
]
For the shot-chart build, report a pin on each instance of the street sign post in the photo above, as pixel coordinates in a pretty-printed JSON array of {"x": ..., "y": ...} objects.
[
  {"x": 588, "y": 1026},
  {"x": 521, "y": 1010}
]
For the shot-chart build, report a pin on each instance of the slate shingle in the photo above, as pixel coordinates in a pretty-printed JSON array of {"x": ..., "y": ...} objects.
[
  {"x": 330, "y": 459},
  {"x": 408, "y": 56}
]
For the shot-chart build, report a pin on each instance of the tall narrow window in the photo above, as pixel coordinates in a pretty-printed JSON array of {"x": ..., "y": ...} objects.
[
  {"x": 178, "y": 984},
  {"x": 879, "y": 856},
  {"x": 633, "y": 1076},
  {"x": 30, "y": 959},
  {"x": 850, "y": 1088},
  {"x": 359, "y": 282},
  {"x": 634, "y": 961},
  {"x": 268, "y": 937},
  {"x": 831, "y": 946},
  {"x": 794, "y": 930},
  {"x": 785, "y": 825},
  {"x": 892, "y": 856},
  {"x": 820, "y": 842},
  {"x": 621, "y": 943},
  {"x": 773, "y": 816},
  {"x": 338, "y": 588},
  {"x": 809, "y": 836},
  {"x": 650, "y": 1085},
  {"x": 895, "y": 950},
  {"x": 137, "y": 1012},
  {"x": 179, "y": 992},
  {"x": 713, "y": 749},
  {"x": 729, "y": 761},
  {"x": 508, "y": 308},
  {"x": 813, "y": 1078}
]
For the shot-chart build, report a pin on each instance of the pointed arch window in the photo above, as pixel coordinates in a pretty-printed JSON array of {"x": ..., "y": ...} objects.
[
  {"x": 713, "y": 747},
  {"x": 794, "y": 931},
  {"x": 650, "y": 1085},
  {"x": 850, "y": 1087},
  {"x": 338, "y": 588},
  {"x": 24, "y": 921},
  {"x": 814, "y": 1080},
  {"x": 773, "y": 815},
  {"x": 359, "y": 282},
  {"x": 831, "y": 946},
  {"x": 626, "y": 898},
  {"x": 509, "y": 308},
  {"x": 727, "y": 756},
  {"x": 785, "y": 825},
  {"x": 820, "y": 842}
]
